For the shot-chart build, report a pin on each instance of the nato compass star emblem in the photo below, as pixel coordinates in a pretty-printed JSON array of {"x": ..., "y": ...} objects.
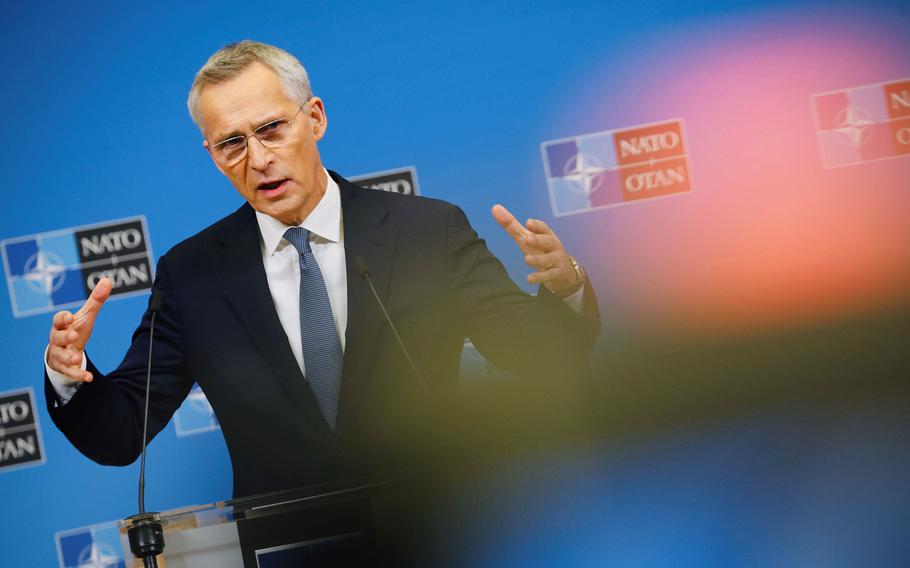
[
  {"x": 92, "y": 546},
  {"x": 44, "y": 272},
  {"x": 99, "y": 555},
  {"x": 853, "y": 123},
  {"x": 863, "y": 124},
  {"x": 583, "y": 171}
]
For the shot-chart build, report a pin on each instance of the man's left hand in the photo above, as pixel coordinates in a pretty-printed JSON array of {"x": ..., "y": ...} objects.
[{"x": 543, "y": 251}]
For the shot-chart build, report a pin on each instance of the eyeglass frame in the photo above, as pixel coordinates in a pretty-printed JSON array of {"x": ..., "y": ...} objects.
[{"x": 246, "y": 138}]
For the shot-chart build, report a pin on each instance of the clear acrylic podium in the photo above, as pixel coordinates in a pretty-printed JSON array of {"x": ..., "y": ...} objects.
[{"x": 321, "y": 525}]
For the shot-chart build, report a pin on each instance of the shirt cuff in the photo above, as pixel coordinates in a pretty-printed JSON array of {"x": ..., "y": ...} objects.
[
  {"x": 64, "y": 386},
  {"x": 574, "y": 301}
]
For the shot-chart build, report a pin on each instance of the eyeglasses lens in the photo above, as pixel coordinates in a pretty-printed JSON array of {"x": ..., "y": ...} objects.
[{"x": 272, "y": 135}]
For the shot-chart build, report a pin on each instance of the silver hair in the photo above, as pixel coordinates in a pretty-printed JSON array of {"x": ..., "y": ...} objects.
[{"x": 232, "y": 59}]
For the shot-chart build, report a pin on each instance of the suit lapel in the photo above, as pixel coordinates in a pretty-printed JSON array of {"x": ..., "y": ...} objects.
[
  {"x": 368, "y": 234},
  {"x": 243, "y": 280}
]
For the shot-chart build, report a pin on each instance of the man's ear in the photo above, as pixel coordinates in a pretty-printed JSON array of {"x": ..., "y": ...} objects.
[
  {"x": 205, "y": 144},
  {"x": 318, "y": 119}
]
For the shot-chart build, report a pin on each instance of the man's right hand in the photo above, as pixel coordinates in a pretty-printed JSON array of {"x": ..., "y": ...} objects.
[{"x": 70, "y": 333}]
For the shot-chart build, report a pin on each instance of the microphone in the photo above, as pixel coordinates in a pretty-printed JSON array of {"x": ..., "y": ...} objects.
[
  {"x": 145, "y": 533},
  {"x": 365, "y": 274}
]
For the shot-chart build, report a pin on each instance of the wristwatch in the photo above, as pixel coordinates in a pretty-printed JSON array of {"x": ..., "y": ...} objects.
[{"x": 580, "y": 277}]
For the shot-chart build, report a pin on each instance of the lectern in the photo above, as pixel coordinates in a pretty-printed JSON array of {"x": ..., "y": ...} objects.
[{"x": 323, "y": 525}]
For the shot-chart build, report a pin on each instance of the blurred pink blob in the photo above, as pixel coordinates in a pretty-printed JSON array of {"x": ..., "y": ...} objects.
[{"x": 768, "y": 239}]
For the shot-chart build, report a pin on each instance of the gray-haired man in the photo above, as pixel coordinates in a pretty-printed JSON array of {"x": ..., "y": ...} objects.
[{"x": 266, "y": 309}]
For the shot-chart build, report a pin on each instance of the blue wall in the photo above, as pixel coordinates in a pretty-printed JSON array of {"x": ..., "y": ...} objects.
[{"x": 95, "y": 129}]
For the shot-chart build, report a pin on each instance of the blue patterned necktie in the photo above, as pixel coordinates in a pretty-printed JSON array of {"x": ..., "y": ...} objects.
[{"x": 322, "y": 357}]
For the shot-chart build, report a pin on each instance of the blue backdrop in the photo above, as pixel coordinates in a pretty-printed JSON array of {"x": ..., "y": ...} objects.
[{"x": 769, "y": 242}]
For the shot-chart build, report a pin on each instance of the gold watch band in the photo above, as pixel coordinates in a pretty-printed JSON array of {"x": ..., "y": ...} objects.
[
  {"x": 579, "y": 272},
  {"x": 579, "y": 280}
]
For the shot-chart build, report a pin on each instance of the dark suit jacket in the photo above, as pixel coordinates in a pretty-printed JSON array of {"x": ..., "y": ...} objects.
[{"x": 218, "y": 327}]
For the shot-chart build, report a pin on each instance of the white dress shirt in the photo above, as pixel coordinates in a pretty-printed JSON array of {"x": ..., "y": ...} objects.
[
  {"x": 282, "y": 265},
  {"x": 282, "y": 270}
]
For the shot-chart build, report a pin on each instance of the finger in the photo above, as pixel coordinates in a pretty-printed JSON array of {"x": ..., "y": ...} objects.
[
  {"x": 508, "y": 222},
  {"x": 539, "y": 227},
  {"x": 62, "y": 319},
  {"x": 76, "y": 373},
  {"x": 544, "y": 243},
  {"x": 69, "y": 362},
  {"x": 60, "y": 357},
  {"x": 64, "y": 337},
  {"x": 73, "y": 357},
  {"x": 542, "y": 260},
  {"x": 70, "y": 365},
  {"x": 544, "y": 276},
  {"x": 94, "y": 302},
  {"x": 80, "y": 374}
]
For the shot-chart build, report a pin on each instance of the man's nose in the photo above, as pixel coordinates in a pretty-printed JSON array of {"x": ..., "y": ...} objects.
[{"x": 260, "y": 157}]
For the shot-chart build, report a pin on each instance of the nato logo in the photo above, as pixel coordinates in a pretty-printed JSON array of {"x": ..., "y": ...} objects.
[
  {"x": 195, "y": 415},
  {"x": 20, "y": 435},
  {"x": 94, "y": 546},
  {"x": 863, "y": 124},
  {"x": 401, "y": 180},
  {"x": 603, "y": 169},
  {"x": 57, "y": 270}
]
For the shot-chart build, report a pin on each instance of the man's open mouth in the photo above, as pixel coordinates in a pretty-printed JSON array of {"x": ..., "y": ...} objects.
[{"x": 271, "y": 184}]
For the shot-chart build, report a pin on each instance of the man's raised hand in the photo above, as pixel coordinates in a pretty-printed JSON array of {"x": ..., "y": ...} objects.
[
  {"x": 70, "y": 332},
  {"x": 543, "y": 251}
]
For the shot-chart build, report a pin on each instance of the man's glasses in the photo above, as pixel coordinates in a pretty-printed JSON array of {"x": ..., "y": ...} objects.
[{"x": 272, "y": 134}]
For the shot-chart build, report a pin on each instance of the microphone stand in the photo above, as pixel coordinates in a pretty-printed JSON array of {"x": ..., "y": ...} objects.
[
  {"x": 145, "y": 533},
  {"x": 365, "y": 274}
]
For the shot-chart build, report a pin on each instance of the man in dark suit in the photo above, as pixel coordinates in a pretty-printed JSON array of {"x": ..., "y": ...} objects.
[{"x": 268, "y": 312}]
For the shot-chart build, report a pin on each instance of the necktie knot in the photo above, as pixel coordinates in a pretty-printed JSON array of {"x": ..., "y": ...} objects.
[{"x": 300, "y": 238}]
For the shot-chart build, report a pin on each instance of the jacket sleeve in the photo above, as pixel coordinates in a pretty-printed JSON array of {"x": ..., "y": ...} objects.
[
  {"x": 522, "y": 333},
  {"x": 104, "y": 418}
]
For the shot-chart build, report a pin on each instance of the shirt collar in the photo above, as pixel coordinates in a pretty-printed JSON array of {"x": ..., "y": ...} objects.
[{"x": 324, "y": 221}]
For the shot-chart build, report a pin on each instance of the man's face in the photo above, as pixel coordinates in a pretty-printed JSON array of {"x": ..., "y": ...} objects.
[{"x": 285, "y": 182}]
